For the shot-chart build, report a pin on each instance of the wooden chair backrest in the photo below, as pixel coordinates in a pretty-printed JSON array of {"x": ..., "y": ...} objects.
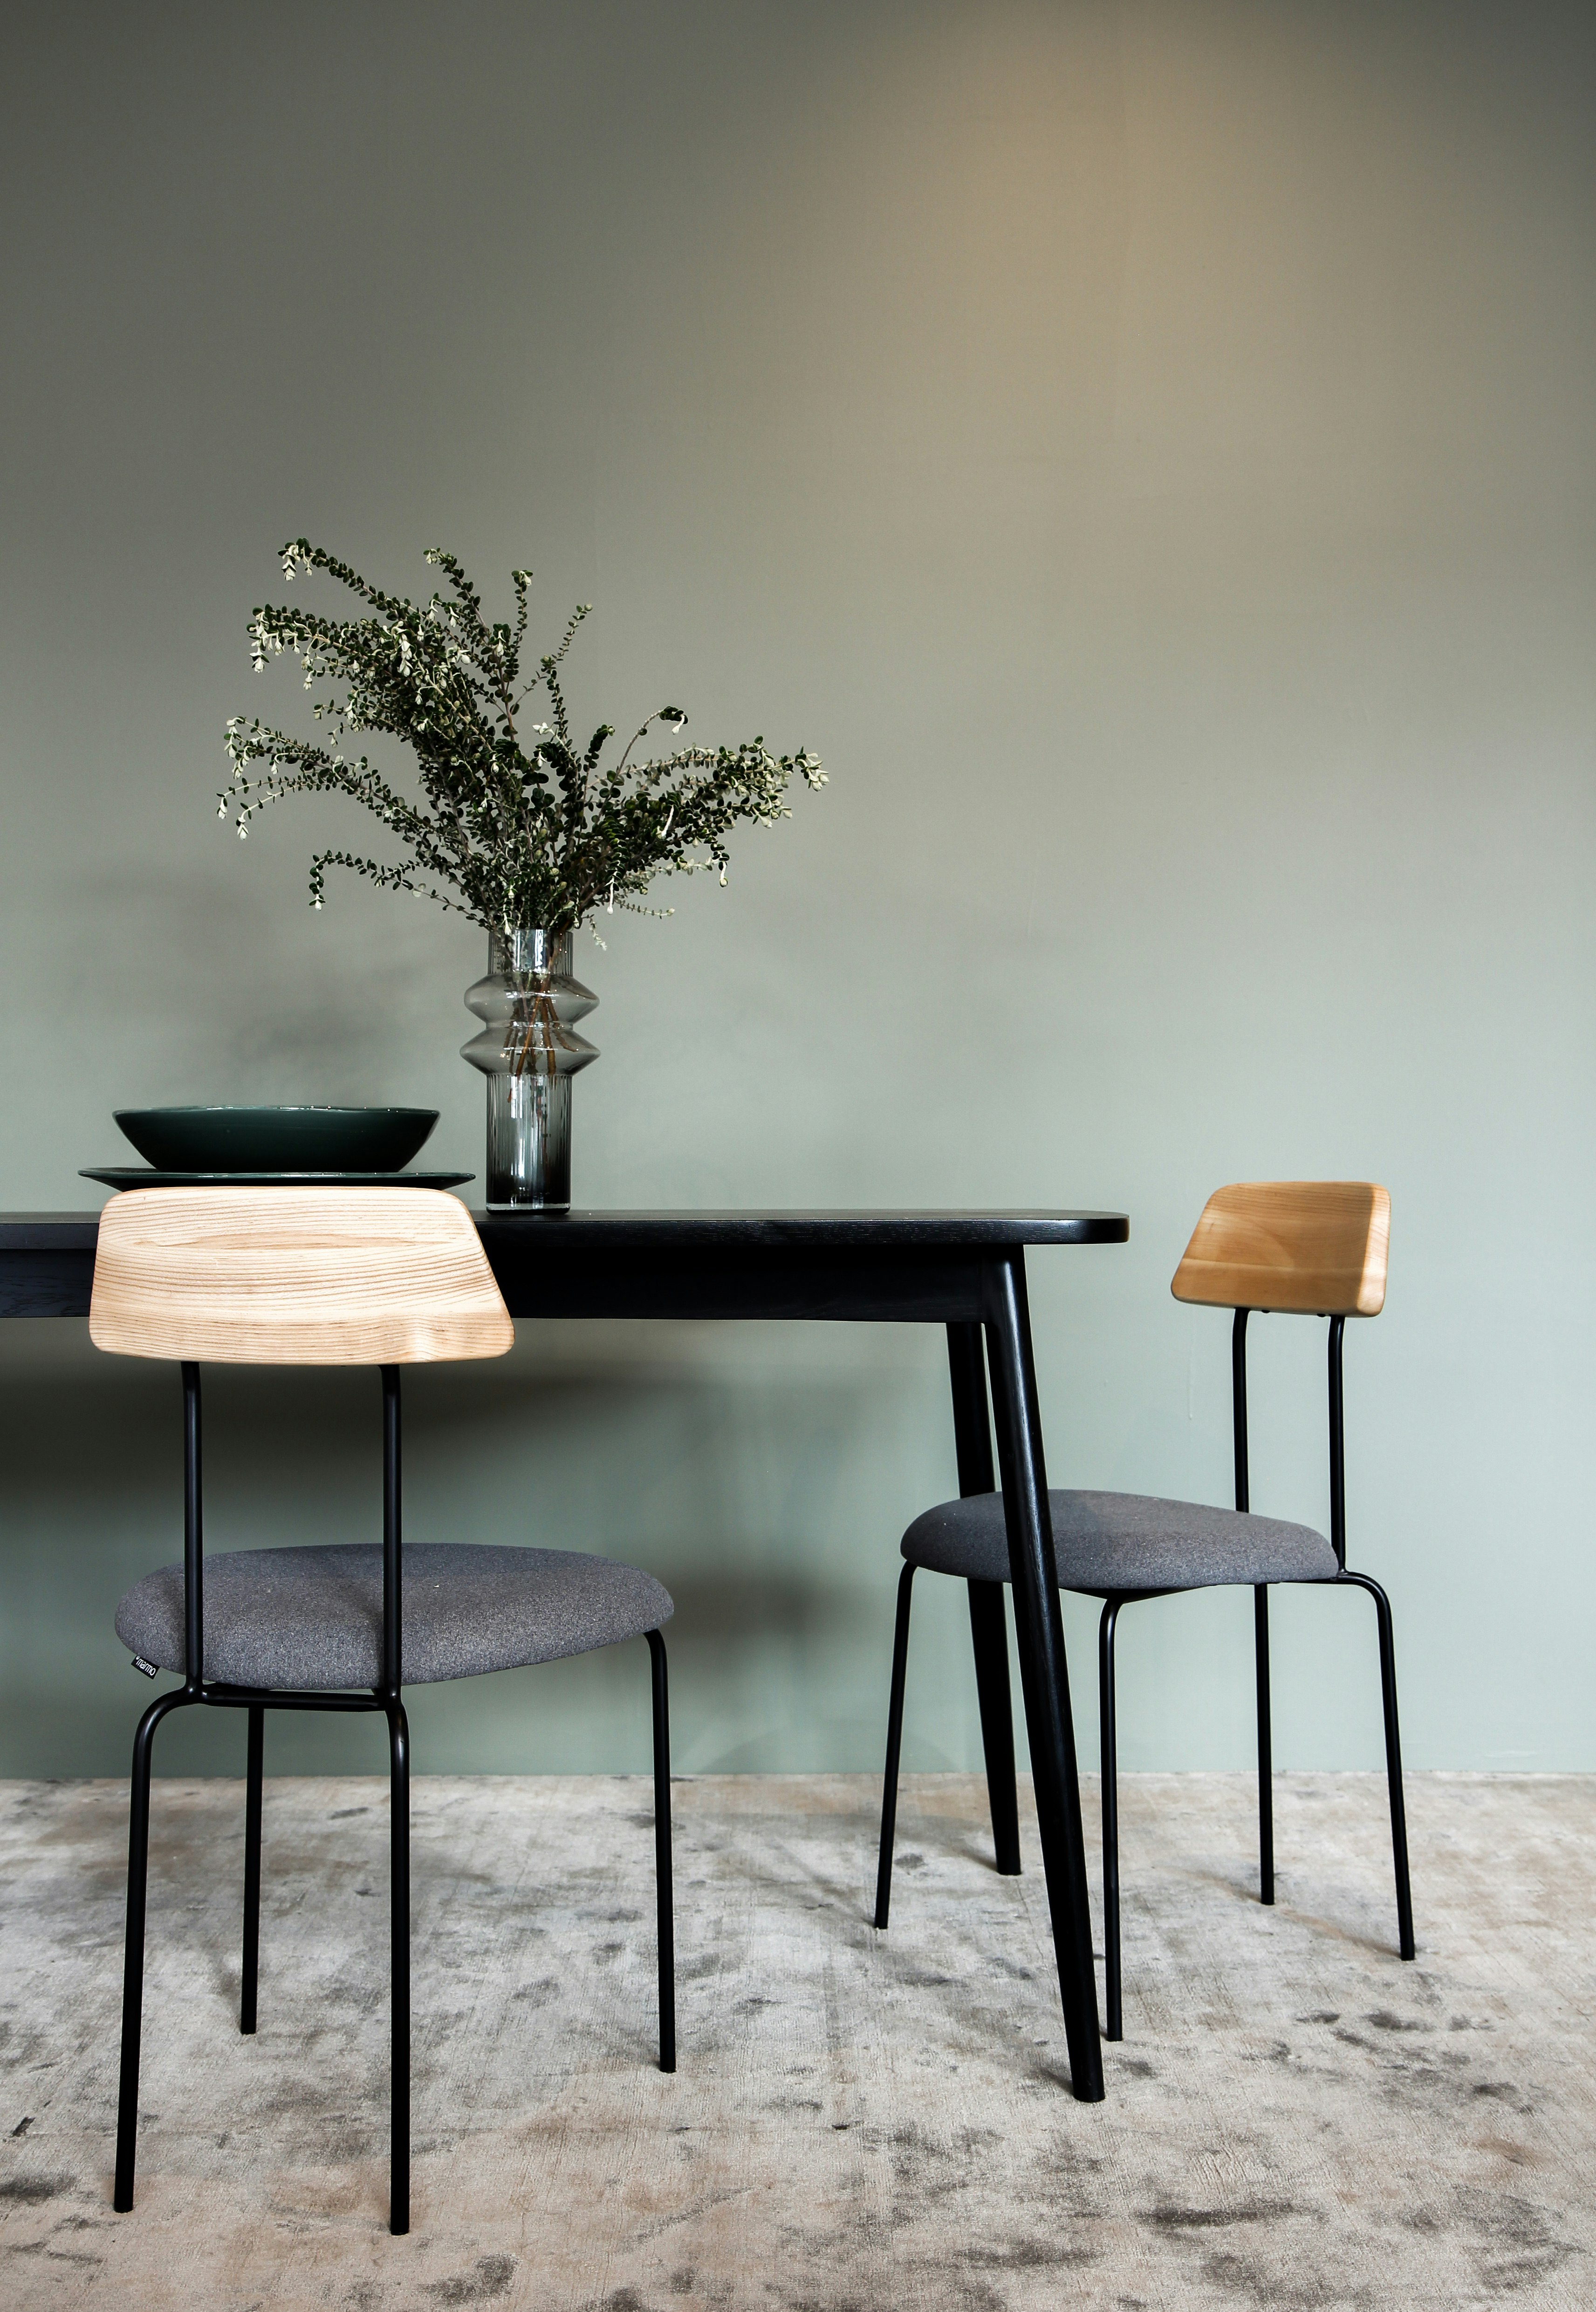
[
  {"x": 1313, "y": 1247},
  {"x": 295, "y": 1276}
]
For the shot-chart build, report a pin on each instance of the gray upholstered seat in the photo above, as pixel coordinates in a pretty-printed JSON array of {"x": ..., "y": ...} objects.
[
  {"x": 311, "y": 1619},
  {"x": 1124, "y": 1541}
]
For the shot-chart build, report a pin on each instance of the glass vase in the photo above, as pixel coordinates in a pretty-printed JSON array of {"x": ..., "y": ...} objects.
[{"x": 528, "y": 1050}]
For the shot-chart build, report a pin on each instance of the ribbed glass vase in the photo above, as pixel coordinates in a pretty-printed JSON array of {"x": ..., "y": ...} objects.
[{"x": 528, "y": 1050}]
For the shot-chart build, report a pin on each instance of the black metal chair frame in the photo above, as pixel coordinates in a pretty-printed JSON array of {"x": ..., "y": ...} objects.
[
  {"x": 386, "y": 1698},
  {"x": 989, "y": 1633}
]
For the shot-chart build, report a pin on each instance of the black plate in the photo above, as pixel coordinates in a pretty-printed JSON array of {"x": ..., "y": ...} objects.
[{"x": 136, "y": 1175}]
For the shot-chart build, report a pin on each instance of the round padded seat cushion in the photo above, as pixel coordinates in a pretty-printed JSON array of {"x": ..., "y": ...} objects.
[
  {"x": 1124, "y": 1541},
  {"x": 311, "y": 1619}
]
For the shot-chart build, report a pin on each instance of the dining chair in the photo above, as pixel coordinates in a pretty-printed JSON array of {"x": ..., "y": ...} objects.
[
  {"x": 1303, "y": 1247},
  {"x": 383, "y": 1277}
]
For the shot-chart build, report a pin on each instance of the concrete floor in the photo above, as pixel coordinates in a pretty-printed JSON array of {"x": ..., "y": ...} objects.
[{"x": 1294, "y": 2119}]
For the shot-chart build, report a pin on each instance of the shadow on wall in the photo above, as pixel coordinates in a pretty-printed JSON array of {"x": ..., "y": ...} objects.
[{"x": 347, "y": 1015}]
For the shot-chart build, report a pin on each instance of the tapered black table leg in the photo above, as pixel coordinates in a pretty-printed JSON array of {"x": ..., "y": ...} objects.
[
  {"x": 989, "y": 1635},
  {"x": 883, "y": 1868},
  {"x": 1039, "y": 1627},
  {"x": 972, "y": 1440}
]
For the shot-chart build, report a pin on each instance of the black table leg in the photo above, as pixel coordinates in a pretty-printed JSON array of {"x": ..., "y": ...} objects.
[
  {"x": 1040, "y": 1627},
  {"x": 989, "y": 1637}
]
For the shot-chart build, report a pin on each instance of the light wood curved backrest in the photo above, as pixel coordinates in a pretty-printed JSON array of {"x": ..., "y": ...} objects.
[
  {"x": 1313, "y": 1247},
  {"x": 295, "y": 1276}
]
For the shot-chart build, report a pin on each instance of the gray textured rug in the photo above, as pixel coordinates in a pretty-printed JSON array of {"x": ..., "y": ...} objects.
[{"x": 1294, "y": 2119}]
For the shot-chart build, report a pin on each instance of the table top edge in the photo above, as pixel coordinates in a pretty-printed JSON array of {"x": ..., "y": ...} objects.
[{"x": 66, "y": 1231}]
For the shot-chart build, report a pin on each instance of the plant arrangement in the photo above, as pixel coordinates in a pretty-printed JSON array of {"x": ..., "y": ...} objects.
[{"x": 518, "y": 826}]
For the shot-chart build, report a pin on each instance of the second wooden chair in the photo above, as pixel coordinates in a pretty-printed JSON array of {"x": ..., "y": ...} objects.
[{"x": 1306, "y": 1247}]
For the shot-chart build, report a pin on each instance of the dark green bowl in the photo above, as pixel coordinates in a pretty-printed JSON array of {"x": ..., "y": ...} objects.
[{"x": 276, "y": 1139}]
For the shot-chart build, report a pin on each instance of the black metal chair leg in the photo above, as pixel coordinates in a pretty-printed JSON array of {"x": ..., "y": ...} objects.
[
  {"x": 989, "y": 1635},
  {"x": 133, "y": 1960},
  {"x": 1113, "y": 2026},
  {"x": 662, "y": 1852},
  {"x": 253, "y": 1773},
  {"x": 1265, "y": 1750},
  {"x": 1393, "y": 1757},
  {"x": 398, "y": 1754},
  {"x": 883, "y": 1873}
]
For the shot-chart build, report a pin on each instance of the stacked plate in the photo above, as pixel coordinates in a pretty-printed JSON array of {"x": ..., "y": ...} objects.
[{"x": 273, "y": 1147}]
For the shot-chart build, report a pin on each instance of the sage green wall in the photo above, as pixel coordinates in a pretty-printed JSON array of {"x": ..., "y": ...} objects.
[{"x": 1148, "y": 451}]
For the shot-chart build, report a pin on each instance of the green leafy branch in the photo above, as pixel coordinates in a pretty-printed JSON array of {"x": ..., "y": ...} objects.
[{"x": 516, "y": 824}]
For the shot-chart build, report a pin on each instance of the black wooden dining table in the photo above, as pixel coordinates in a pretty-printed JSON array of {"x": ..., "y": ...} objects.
[{"x": 963, "y": 1270}]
